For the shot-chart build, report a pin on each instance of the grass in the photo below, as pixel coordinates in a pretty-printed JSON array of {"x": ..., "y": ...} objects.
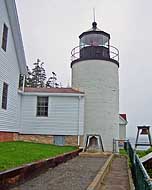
[
  {"x": 13, "y": 154},
  {"x": 142, "y": 153},
  {"x": 122, "y": 152}
]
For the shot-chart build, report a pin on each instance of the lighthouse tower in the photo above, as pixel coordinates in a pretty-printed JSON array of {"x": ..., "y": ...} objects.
[{"x": 95, "y": 72}]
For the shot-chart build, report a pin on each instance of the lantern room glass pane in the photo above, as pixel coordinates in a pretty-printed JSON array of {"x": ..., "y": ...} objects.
[{"x": 94, "y": 40}]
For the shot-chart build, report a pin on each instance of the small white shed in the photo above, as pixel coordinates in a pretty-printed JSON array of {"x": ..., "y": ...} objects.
[
  {"x": 122, "y": 126},
  {"x": 54, "y": 112}
]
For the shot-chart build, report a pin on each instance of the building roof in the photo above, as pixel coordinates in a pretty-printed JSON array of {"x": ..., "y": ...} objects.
[
  {"x": 52, "y": 90},
  {"x": 124, "y": 116},
  {"x": 146, "y": 157},
  {"x": 16, "y": 32},
  {"x": 123, "y": 119},
  {"x": 94, "y": 30}
]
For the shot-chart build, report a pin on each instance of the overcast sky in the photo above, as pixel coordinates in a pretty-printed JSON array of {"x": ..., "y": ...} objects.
[{"x": 50, "y": 29}]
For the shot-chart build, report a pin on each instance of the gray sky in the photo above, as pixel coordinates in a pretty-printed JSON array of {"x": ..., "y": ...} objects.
[{"x": 50, "y": 29}]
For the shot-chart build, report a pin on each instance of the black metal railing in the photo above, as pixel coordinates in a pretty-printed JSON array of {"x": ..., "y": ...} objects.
[
  {"x": 113, "y": 52},
  {"x": 119, "y": 144},
  {"x": 142, "y": 181}
]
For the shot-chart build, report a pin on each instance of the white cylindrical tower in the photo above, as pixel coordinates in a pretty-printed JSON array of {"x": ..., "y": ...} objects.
[{"x": 95, "y": 72}]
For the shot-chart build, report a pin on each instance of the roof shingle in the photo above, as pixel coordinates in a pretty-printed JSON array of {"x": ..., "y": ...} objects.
[{"x": 52, "y": 90}]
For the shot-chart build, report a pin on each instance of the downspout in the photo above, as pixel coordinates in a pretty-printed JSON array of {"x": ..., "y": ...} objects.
[{"x": 79, "y": 121}]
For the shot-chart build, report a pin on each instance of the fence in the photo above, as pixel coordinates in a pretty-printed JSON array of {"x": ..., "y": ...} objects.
[{"x": 141, "y": 179}]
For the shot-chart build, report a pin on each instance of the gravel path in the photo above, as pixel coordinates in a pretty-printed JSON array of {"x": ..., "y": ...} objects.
[{"x": 75, "y": 174}]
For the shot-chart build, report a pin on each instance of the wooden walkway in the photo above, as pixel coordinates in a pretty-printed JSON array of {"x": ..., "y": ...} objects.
[{"x": 118, "y": 177}]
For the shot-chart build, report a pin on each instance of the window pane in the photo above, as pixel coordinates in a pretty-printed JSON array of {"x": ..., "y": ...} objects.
[
  {"x": 4, "y": 95},
  {"x": 4, "y": 37},
  {"x": 94, "y": 40},
  {"x": 42, "y": 106}
]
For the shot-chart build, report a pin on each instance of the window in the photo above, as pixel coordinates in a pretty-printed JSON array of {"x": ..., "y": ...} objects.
[
  {"x": 4, "y": 37},
  {"x": 59, "y": 140},
  {"x": 42, "y": 106},
  {"x": 4, "y": 96}
]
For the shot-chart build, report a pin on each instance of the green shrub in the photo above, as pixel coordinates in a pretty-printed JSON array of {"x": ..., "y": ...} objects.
[{"x": 142, "y": 153}]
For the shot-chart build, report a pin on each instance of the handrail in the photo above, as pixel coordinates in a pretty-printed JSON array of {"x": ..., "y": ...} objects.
[
  {"x": 142, "y": 180},
  {"x": 114, "y": 52}
]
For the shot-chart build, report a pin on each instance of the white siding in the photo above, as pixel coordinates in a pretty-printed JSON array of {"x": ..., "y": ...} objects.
[
  {"x": 122, "y": 128},
  {"x": 122, "y": 131},
  {"x": 9, "y": 73},
  {"x": 98, "y": 79},
  {"x": 63, "y": 116}
]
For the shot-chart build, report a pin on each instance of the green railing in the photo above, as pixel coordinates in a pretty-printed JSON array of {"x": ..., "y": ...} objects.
[{"x": 141, "y": 179}]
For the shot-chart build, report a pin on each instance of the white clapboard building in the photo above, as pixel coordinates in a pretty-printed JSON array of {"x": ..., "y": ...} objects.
[
  {"x": 63, "y": 116},
  {"x": 12, "y": 64}
]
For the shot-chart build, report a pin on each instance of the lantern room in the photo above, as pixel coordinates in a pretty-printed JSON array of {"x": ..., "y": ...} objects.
[
  {"x": 95, "y": 44},
  {"x": 94, "y": 37}
]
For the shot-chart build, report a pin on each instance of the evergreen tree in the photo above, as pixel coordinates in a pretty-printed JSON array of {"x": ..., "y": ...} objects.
[
  {"x": 42, "y": 76},
  {"x": 38, "y": 75},
  {"x": 28, "y": 81},
  {"x": 52, "y": 81}
]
